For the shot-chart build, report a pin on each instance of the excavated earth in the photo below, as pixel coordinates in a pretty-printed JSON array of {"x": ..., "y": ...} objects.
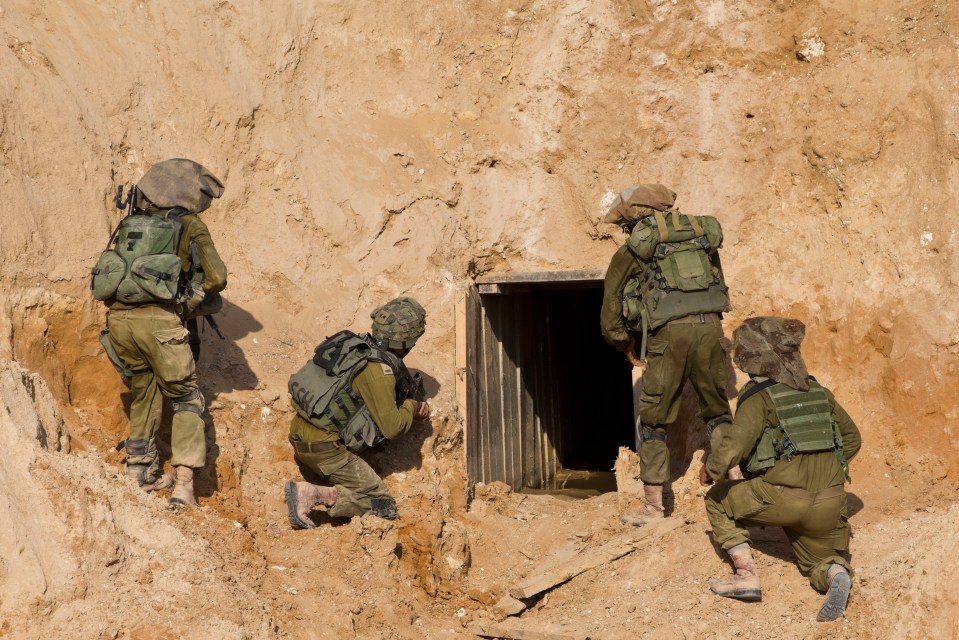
[{"x": 372, "y": 149}]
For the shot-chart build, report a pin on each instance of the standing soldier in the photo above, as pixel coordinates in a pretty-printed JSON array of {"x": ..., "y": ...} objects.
[
  {"x": 795, "y": 441},
  {"x": 354, "y": 393},
  {"x": 149, "y": 277},
  {"x": 663, "y": 300}
]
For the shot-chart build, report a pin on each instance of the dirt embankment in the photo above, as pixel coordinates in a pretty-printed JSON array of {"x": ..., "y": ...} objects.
[{"x": 372, "y": 149}]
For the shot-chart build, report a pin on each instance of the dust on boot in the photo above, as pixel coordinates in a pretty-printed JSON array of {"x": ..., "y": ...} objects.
[
  {"x": 143, "y": 465},
  {"x": 182, "y": 496},
  {"x": 302, "y": 497},
  {"x": 744, "y": 584},
  {"x": 840, "y": 583},
  {"x": 653, "y": 510}
]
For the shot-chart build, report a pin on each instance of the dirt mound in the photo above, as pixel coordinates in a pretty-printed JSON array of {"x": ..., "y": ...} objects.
[{"x": 376, "y": 149}]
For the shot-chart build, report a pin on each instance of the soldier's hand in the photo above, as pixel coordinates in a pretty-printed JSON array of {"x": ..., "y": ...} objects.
[
  {"x": 634, "y": 359},
  {"x": 422, "y": 410},
  {"x": 704, "y": 478}
]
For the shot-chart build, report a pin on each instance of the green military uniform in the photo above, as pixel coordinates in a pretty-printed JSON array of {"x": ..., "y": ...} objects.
[
  {"x": 795, "y": 441},
  {"x": 319, "y": 451},
  {"x": 685, "y": 343},
  {"x": 150, "y": 339},
  {"x": 354, "y": 393},
  {"x": 803, "y": 495}
]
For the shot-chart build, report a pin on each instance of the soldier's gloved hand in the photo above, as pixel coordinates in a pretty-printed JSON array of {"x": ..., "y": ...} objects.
[
  {"x": 190, "y": 300},
  {"x": 421, "y": 410}
]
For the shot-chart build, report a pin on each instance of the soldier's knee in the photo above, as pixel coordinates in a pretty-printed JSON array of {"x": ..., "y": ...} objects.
[{"x": 192, "y": 402}]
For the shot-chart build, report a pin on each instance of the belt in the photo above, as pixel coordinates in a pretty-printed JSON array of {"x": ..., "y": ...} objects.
[
  {"x": 313, "y": 447},
  {"x": 828, "y": 492},
  {"x": 697, "y": 318}
]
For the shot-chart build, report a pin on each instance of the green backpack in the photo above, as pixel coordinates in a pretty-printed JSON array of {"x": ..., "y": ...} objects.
[
  {"x": 322, "y": 390},
  {"x": 140, "y": 264},
  {"x": 681, "y": 274}
]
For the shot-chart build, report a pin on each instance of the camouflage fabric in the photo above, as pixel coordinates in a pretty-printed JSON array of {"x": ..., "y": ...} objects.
[
  {"x": 179, "y": 183},
  {"x": 769, "y": 346},
  {"x": 634, "y": 202},
  {"x": 399, "y": 323}
]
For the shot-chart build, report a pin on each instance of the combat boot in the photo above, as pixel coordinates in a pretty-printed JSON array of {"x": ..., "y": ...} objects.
[
  {"x": 744, "y": 585},
  {"x": 839, "y": 585},
  {"x": 139, "y": 473},
  {"x": 653, "y": 510},
  {"x": 301, "y": 497},
  {"x": 182, "y": 496}
]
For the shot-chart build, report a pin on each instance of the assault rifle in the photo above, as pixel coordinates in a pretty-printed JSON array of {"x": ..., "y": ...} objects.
[
  {"x": 130, "y": 203},
  {"x": 409, "y": 385}
]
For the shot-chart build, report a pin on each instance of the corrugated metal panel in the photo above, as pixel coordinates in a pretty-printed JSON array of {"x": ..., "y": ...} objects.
[{"x": 506, "y": 438}]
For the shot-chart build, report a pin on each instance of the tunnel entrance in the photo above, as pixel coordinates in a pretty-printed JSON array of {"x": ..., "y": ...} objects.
[{"x": 548, "y": 403}]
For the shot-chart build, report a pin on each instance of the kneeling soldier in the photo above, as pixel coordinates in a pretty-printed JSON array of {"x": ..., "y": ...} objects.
[
  {"x": 794, "y": 441},
  {"x": 355, "y": 393}
]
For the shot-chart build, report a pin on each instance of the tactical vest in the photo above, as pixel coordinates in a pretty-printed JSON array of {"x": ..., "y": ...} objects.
[
  {"x": 680, "y": 270},
  {"x": 142, "y": 266},
  {"x": 805, "y": 426},
  {"x": 323, "y": 394}
]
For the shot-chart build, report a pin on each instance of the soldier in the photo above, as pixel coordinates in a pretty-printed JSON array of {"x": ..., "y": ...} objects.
[
  {"x": 663, "y": 300},
  {"x": 795, "y": 441},
  {"x": 355, "y": 393},
  {"x": 149, "y": 279}
]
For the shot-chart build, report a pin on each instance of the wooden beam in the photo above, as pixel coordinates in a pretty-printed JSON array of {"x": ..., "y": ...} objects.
[
  {"x": 581, "y": 275},
  {"x": 527, "y": 630},
  {"x": 612, "y": 550}
]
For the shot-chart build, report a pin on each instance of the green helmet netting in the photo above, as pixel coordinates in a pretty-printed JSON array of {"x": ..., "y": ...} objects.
[{"x": 399, "y": 323}]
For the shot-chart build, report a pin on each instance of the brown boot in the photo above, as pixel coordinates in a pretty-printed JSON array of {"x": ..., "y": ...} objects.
[
  {"x": 744, "y": 585},
  {"x": 182, "y": 496},
  {"x": 838, "y": 595},
  {"x": 652, "y": 511},
  {"x": 301, "y": 497},
  {"x": 139, "y": 472}
]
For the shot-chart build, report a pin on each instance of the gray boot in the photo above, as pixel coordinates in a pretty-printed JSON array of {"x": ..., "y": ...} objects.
[
  {"x": 653, "y": 510},
  {"x": 301, "y": 497},
  {"x": 744, "y": 585},
  {"x": 839, "y": 585},
  {"x": 182, "y": 496},
  {"x": 139, "y": 472}
]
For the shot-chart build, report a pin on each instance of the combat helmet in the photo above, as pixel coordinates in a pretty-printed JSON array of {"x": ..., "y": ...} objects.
[
  {"x": 637, "y": 201},
  {"x": 769, "y": 346},
  {"x": 398, "y": 324}
]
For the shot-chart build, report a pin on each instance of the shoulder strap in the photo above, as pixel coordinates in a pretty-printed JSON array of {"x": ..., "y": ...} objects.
[
  {"x": 661, "y": 223},
  {"x": 751, "y": 391}
]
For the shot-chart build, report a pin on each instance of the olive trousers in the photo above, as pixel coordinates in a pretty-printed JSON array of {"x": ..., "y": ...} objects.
[
  {"x": 357, "y": 485},
  {"x": 816, "y": 524},
  {"x": 152, "y": 341},
  {"x": 675, "y": 353}
]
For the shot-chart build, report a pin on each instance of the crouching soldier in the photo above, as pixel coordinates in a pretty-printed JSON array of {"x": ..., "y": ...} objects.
[
  {"x": 355, "y": 393},
  {"x": 794, "y": 441}
]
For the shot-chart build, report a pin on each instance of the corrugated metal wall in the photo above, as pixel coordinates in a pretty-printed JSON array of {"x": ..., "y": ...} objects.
[{"x": 512, "y": 432}]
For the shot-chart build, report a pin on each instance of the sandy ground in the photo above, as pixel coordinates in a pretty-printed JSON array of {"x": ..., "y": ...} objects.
[{"x": 373, "y": 149}]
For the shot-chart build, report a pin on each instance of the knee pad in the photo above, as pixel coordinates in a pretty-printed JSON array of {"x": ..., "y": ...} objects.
[
  {"x": 653, "y": 432},
  {"x": 192, "y": 402}
]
